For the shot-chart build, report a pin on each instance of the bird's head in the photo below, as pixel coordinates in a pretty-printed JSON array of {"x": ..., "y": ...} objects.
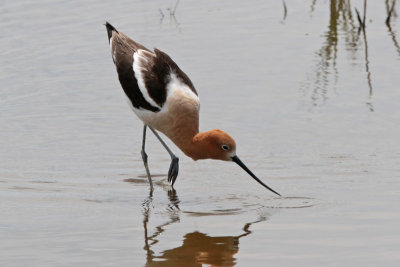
[{"x": 217, "y": 144}]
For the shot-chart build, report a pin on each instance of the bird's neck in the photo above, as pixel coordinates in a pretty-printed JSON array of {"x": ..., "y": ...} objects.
[{"x": 196, "y": 146}]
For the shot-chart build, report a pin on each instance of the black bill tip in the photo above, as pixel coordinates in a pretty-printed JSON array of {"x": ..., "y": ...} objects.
[{"x": 241, "y": 164}]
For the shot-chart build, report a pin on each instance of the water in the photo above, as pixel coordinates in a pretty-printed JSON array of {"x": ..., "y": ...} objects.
[{"x": 312, "y": 104}]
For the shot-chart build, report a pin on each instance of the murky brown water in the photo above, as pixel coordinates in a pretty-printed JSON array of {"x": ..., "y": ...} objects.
[{"x": 312, "y": 103}]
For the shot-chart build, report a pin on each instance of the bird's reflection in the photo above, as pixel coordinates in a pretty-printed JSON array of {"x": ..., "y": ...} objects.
[{"x": 197, "y": 248}]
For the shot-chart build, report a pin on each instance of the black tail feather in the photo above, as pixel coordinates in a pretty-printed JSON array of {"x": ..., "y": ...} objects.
[{"x": 110, "y": 29}]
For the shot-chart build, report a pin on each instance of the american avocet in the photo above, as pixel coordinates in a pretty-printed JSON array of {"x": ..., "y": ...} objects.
[{"x": 164, "y": 98}]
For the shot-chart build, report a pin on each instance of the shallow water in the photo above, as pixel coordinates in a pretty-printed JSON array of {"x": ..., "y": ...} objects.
[{"x": 312, "y": 104}]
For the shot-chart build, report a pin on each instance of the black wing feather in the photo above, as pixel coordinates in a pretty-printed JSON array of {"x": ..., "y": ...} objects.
[{"x": 156, "y": 70}]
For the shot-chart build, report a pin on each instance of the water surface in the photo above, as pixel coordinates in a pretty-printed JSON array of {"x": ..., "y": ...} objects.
[{"x": 312, "y": 103}]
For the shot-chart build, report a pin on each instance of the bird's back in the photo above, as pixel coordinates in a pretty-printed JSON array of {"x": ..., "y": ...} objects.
[
  {"x": 162, "y": 95},
  {"x": 122, "y": 50}
]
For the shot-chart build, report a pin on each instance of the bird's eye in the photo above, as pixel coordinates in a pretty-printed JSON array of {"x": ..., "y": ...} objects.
[{"x": 225, "y": 147}]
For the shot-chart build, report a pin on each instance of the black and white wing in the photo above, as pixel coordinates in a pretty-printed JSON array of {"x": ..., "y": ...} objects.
[{"x": 144, "y": 75}]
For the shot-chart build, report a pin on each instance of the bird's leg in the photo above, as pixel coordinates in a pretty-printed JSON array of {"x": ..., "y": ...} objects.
[
  {"x": 144, "y": 157},
  {"x": 174, "y": 167}
]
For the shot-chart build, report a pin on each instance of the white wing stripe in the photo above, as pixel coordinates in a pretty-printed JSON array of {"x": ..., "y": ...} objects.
[
  {"x": 138, "y": 57},
  {"x": 111, "y": 48}
]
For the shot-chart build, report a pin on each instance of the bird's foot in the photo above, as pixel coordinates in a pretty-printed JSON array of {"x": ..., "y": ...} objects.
[{"x": 173, "y": 170}]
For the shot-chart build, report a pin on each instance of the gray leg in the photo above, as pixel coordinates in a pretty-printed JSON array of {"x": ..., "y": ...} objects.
[
  {"x": 174, "y": 167},
  {"x": 144, "y": 157}
]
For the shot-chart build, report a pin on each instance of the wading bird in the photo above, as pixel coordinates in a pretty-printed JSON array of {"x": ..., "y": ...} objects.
[{"x": 164, "y": 98}]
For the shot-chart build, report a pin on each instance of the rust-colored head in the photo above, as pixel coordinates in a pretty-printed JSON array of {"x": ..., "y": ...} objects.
[
  {"x": 214, "y": 144},
  {"x": 217, "y": 144}
]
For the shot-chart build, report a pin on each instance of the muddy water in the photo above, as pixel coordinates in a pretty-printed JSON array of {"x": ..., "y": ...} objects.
[{"x": 312, "y": 103}]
